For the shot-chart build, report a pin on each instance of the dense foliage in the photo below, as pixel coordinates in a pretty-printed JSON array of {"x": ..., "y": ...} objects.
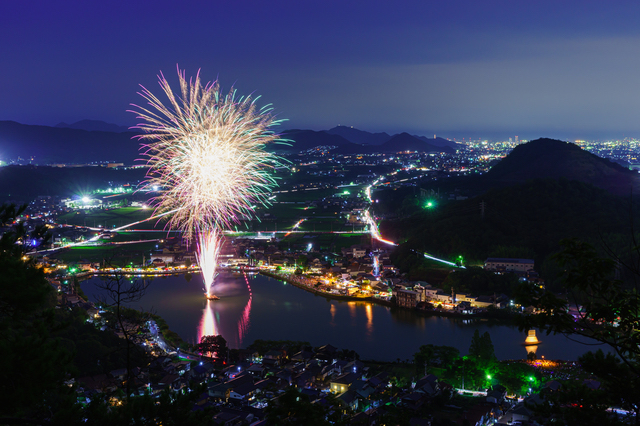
[
  {"x": 603, "y": 304},
  {"x": 526, "y": 220}
]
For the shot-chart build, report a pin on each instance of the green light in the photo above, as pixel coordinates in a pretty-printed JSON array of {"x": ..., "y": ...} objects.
[
  {"x": 430, "y": 204},
  {"x": 531, "y": 379},
  {"x": 489, "y": 376}
]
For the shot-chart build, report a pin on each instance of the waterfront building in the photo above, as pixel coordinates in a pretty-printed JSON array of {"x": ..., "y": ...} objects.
[
  {"x": 508, "y": 265},
  {"x": 405, "y": 298}
]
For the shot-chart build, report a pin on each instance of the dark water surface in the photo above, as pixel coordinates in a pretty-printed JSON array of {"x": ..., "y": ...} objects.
[{"x": 258, "y": 307}]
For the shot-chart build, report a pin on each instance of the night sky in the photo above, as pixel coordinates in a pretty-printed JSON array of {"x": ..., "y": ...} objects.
[{"x": 565, "y": 69}]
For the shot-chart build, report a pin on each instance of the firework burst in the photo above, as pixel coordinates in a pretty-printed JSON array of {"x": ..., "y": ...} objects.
[{"x": 206, "y": 151}]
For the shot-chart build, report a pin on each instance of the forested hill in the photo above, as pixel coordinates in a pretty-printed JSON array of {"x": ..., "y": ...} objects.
[
  {"x": 549, "y": 158},
  {"x": 526, "y": 220}
]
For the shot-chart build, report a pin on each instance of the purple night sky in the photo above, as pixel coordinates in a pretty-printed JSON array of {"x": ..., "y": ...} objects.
[{"x": 566, "y": 69}]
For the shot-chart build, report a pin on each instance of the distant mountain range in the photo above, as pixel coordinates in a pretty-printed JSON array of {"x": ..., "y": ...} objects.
[
  {"x": 362, "y": 137},
  {"x": 359, "y": 136},
  {"x": 94, "y": 126},
  {"x": 50, "y": 145},
  {"x": 308, "y": 139},
  {"x": 93, "y": 141}
]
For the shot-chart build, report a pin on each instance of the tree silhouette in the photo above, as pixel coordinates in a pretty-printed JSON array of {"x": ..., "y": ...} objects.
[
  {"x": 118, "y": 291},
  {"x": 34, "y": 363},
  {"x": 213, "y": 345},
  {"x": 482, "y": 348},
  {"x": 603, "y": 304}
]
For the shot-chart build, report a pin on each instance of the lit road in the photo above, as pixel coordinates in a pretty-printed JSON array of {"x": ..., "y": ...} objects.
[{"x": 375, "y": 232}]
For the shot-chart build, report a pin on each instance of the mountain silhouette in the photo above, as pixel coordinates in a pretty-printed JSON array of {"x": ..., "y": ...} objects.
[
  {"x": 47, "y": 145},
  {"x": 406, "y": 142},
  {"x": 549, "y": 158},
  {"x": 359, "y": 137},
  {"x": 94, "y": 125}
]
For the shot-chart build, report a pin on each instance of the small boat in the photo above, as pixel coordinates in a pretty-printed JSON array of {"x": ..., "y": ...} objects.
[{"x": 211, "y": 296}]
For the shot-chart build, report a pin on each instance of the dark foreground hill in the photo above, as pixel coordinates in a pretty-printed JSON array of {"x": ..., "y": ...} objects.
[
  {"x": 542, "y": 192},
  {"x": 548, "y": 158}
]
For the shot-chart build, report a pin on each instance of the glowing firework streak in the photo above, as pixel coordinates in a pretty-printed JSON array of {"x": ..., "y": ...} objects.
[
  {"x": 156, "y": 216},
  {"x": 209, "y": 244}
]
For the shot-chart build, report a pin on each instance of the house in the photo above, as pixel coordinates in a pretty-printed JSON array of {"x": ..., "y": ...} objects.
[
  {"x": 303, "y": 356},
  {"x": 496, "y": 394},
  {"x": 355, "y": 366},
  {"x": 441, "y": 297},
  {"x": 236, "y": 386},
  {"x": 342, "y": 383},
  {"x": 163, "y": 258},
  {"x": 414, "y": 400},
  {"x": 326, "y": 352},
  {"x": 257, "y": 370},
  {"x": 358, "y": 252},
  {"x": 171, "y": 382},
  {"x": 508, "y": 265},
  {"x": 428, "y": 385},
  {"x": 518, "y": 413},
  {"x": 483, "y": 302},
  {"x": 349, "y": 399},
  {"x": 272, "y": 358},
  {"x": 242, "y": 393},
  {"x": 405, "y": 298}
]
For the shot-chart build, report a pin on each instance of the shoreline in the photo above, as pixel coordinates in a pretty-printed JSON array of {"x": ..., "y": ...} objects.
[
  {"x": 498, "y": 315},
  {"x": 325, "y": 294}
]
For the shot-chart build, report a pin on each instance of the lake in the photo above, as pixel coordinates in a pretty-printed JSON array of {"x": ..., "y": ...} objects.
[{"x": 259, "y": 307}]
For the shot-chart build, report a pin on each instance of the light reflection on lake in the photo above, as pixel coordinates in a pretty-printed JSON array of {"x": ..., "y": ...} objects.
[{"x": 258, "y": 307}]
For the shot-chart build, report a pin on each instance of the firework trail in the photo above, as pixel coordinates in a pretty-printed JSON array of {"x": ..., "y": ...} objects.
[
  {"x": 206, "y": 150},
  {"x": 209, "y": 244}
]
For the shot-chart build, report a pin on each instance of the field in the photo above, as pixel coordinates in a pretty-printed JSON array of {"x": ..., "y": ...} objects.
[
  {"x": 111, "y": 218},
  {"x": 114, "y": 255}
]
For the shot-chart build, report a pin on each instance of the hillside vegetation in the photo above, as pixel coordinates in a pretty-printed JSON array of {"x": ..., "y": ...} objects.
[{"x": 551, "y": 196}]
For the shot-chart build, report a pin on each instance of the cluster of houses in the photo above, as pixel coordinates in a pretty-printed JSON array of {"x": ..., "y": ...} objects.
[
  {"x": 423, "y": 296},
  {"x": 241, "y": 392}
]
